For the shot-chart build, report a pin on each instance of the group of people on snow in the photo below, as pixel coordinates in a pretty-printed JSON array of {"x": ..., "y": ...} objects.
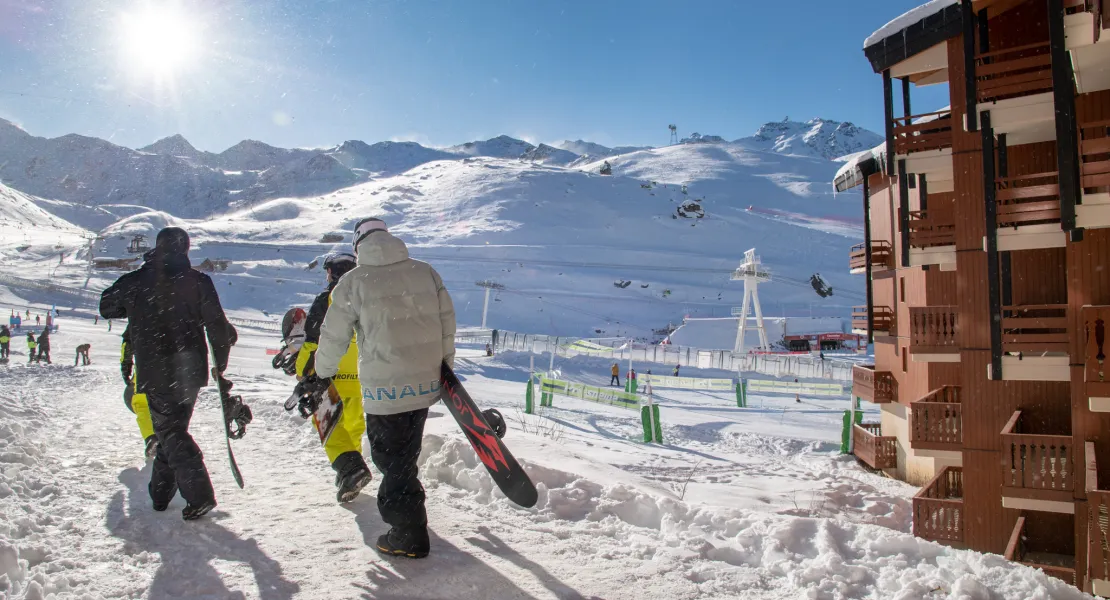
[
  {"x": 384, "y": 323},
  {"x": 615, "y": 380}
]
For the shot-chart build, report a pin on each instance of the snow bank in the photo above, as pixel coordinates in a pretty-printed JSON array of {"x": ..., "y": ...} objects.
[
  {"x": 906, "y": 19},
  {"x": 741, "y": 554}
]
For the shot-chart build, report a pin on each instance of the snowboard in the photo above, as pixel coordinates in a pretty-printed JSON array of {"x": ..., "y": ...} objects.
[
  {"x": 503, "y": 468},
  {"x": 225, "y": 399},
  {"x": 329, "y": 408}
]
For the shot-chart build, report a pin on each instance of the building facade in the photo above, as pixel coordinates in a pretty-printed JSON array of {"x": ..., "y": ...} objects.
[{"x": 987, "y": 258}]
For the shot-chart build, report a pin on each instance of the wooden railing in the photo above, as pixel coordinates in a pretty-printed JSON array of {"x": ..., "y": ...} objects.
[
  {"x": 1036, "y": 462},
  {"x": 1094, "y": 150},
  {"x": 936, "y": 420},
  {"x": 932, "y": 134},
  {"x": 881, "y": 256},
  {"x": 1013, "y": 72},
  {"x": 1030, "y": 199},
  {"x": 1035, "y": 328},
  {"x": 934, "y": 329},
  {"x": 1096, "y": 348},
  {"x": 1098, "y": 521},
  {"x": 873, "y": 448},
  {"x": 874, "y": 386},
  {"x": 883, "y": 319},
  {"x": 932, "y": 228},
  {"x": 938, "y": 509},
  {"x": 1017, "y": 551}
]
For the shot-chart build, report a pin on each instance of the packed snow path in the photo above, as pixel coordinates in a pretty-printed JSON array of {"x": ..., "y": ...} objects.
[{"x": 77, "y": 521}]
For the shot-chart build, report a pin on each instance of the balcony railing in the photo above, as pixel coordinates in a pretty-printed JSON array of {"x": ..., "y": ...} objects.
[
  {"x": 882, "y": 256},
  {"x": 932, "y": 228},
  {"x": 873, "y": 448},
  {"x": 938, "y": 509},
  {"x": 1021, "y": 550},
  {"x": 874, "y": 386},
  {"x": 1096, "y": 330},
  {"x": 936, "y": 420},
  {"x": 1032, "y": 199},
  {"x": 934, "y": 330},
  {"x": 1014, "y": 72},
  {"x": 1036, "y": 462},
  {"x": 919, "y": 133},
  {"x": 1098, "y": 522},
  {"x": 883, "y": 319},
  {"x": 1035, "y": 328},
  {"x": 1094, "y": 150}
]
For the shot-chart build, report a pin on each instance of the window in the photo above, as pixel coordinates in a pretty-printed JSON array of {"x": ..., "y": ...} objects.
[
  {"x": 902, "y": 289},
  {"x": 904, "y": 363}
]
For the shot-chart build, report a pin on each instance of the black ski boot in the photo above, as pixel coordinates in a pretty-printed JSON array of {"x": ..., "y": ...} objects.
[
  {"x": 151, "y": 447},
  {"x": 193, "y": 512},
  {"x": 351, "y": 475},
  {"x": 412, "y": 543}
]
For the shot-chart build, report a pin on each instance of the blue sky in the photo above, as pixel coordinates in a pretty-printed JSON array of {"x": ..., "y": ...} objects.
[{"x": 317, "y": 72}]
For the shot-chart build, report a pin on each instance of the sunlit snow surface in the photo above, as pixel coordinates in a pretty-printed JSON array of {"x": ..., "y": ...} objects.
[{"x": 770, "y": 510}]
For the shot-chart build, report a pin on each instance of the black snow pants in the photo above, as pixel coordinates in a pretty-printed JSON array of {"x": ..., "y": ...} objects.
[
  {"x": 179, "y": 464},
  {"x": 614, "y": 380},
  {"x": 394, "y": 447},
  {"x": 5, "y": 350}
]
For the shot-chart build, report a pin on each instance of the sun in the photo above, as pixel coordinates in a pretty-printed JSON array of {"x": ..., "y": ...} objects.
[{"x": 159, "y": 39}]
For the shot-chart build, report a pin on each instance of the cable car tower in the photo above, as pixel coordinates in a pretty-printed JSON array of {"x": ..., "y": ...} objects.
[
  {"x": 674, "y": 134},
  {"x": 752, "y": 273}
]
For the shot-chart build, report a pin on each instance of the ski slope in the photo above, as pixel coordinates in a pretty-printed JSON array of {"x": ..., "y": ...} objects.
[{"x": 738, "y": 503}]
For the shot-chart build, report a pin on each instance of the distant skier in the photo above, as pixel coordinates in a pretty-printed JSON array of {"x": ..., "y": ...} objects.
[
  {"x": 405, "y": 324},
  {"x": 489, "y": 350},
  {"x": 615, "y": 378},
  {"x": 171, "y": 307},
  {"x": 38, "y": 320},
  {"x": 344, "y": 447},
  {"x": 136, "y": 401},
  {"x": 5, "y": 342},
  {"x": 676, "y": 368},
  {"x": 30, "y": 347},
  {"x": 82, "y": 354},
  {"x": 44, "y": 346}
]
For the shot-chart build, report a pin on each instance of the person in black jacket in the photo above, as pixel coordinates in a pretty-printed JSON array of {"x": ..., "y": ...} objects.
[
  {"x": 170, "y": 308},
  {"x": 44, "y": 346}
]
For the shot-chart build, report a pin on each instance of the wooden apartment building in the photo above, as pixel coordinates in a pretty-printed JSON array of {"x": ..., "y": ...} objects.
[{"x": 987, "y": 258}]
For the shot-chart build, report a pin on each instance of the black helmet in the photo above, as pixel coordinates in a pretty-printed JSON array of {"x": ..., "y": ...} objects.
[{"x": 338, "y": 263}]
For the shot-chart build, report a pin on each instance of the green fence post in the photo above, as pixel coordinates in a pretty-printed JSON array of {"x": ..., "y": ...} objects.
[
  {"x": 649, "y": 417},
  {"x": 845, "y": 432},
  {"x": 529, "y": 407}
]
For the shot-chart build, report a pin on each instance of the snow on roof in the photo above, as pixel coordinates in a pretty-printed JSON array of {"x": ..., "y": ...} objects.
[
  {"x": 906, "y": 19},
  {"x": 848, "y": 175}
]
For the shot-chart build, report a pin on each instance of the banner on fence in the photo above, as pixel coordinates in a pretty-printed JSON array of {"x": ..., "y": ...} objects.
[
  {"x": 791, "y": 387},
  {"x": 614, "y": 397},
  {"x": 689, "y": 383},
  {"x": 585, "y": 347}
]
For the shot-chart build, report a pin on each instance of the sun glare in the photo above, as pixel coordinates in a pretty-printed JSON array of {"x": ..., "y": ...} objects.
[{"x": 159, "y": 40}]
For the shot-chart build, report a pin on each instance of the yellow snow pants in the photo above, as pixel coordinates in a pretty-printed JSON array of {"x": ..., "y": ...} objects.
[
  {"x": 142, "y": 414},
  {"x": 347, "y": 435}
]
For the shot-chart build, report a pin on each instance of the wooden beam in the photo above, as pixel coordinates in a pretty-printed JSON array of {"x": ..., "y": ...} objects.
[
  {"x": 888, "y": 116},
  {"x": 867, "y": 255},
  {"x": 1063, "y": 95},
  {"x": 994, "y": 294},
  {"x": 904, "y": 212},
  {"x": 971, "y": 96}
]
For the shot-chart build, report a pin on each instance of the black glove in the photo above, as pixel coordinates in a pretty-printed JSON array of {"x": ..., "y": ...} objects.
[{"x": 125, "y": 369}]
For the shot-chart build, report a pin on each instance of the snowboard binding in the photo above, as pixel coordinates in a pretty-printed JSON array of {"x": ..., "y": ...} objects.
[
  {"x": 285, "y": 361},
  {"x": 237, "y": 415},
  {"x": 308, "y": 395},
  {"x": 495, "y": 421}
]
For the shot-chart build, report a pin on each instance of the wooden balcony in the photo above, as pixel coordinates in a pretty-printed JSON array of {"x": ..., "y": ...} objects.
[
  {"x": 1035, "y": 329},
  {"x": 936, "y": 420},
  {"x": 1094, "y": 152},
  {"x": 929, "y": 229},
  {"x": 934, "y": 334},
  {"x": 1032, "y": 199},
  {"x": 873, "y": 448},
  {"x": 1096, "y": 327},
  {"x": 878, "y": 387},
  {"x": 938, "y": 509},
  {"x": 1098, "y": 528},
  {"x": 923, "y": 133},
  {"x": 1013, "y": 72},
  {"x": 1027, "y": 552},
  {"x": 883, "y": 317},
  {"x": 1038, "y": 471},
  {"x": 882, "y": 257}
]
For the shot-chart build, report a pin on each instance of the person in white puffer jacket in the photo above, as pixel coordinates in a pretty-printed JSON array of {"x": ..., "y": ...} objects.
[{"x": 404, "y": 321}]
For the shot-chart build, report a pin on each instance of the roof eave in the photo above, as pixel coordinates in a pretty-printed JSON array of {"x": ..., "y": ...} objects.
[{"x": 915, "y": 38}]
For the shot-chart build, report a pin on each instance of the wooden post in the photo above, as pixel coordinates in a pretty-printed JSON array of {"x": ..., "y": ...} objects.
[
  {"x": 993, "y": 278},
  {"x": 1067, "y": 138},
  {"x": 888, "y": 116},
  {"x": 971, "y": 97},
  {"x": 867, "y": 257},
  {"x": 904, "y": 212}
]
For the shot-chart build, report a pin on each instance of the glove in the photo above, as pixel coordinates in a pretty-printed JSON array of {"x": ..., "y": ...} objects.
[{"x": 125, "y": 369}]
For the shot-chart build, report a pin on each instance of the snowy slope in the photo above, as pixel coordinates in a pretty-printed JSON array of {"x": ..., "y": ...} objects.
[
  {"x": 817, "y": 137},
  {"x": 559, "y": 239},
  {"x": 385, "y": 158},
  {"x": 549, "y": 155},
  {"x": 731, "y": 507}
]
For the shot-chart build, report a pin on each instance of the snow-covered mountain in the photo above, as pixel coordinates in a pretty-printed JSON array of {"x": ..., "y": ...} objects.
[
  {"x": 501, "y": 146},
  {"x": 385, "y": 157},
  {"x": 816, "y": 137},
  {"x": 177, "y": 145},
  {"x": 549, "y": 155},
  {"x": 595, "y": 151}
]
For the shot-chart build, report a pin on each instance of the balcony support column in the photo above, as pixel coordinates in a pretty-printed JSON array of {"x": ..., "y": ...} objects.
[
  {"x": 888, "y": 116},
  {"x": 971, "y": 96},
  {"x": 1067, "y": 138},
  {"x": 867, "y": 257},
  {"x": 994, "y": 296},
  {"x": 904, "y": 212},
  {"x": 906, "y": 99}
]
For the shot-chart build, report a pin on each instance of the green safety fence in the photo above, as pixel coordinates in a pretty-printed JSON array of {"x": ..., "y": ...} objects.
[
  {"x": 649, "y": 413},
  {"x": 689, "y": 383},
  {"x": 794, "y": 387}
]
